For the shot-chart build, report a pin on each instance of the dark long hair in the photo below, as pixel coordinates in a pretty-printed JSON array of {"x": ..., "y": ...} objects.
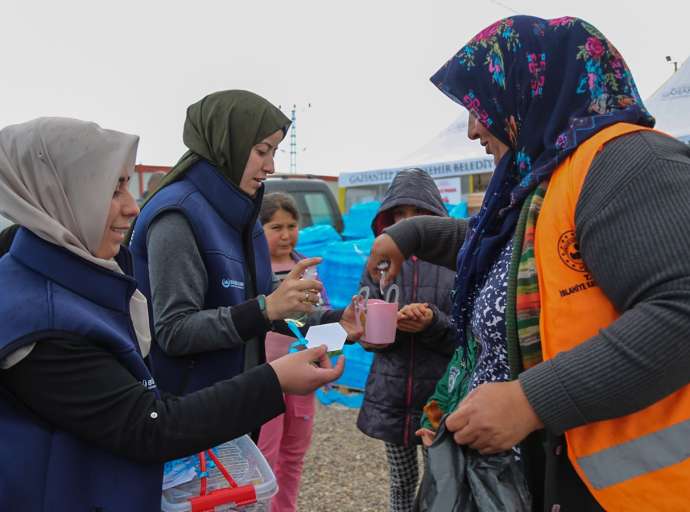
[{"x": 274, "y": 202}]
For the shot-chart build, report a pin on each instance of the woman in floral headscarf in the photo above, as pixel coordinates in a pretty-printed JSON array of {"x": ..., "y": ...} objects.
[{"x": 572, "y": 280}]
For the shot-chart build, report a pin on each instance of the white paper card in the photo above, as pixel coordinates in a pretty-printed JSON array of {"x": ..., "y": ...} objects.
[{"x": 332, "y": 335}]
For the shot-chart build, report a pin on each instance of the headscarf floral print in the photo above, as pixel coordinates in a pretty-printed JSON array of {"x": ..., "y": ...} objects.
[{"x": 542, "y": 87}]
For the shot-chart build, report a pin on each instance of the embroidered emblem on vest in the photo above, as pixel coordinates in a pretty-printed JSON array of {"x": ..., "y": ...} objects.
[
  {"x": 569, "y": 252},
  {"x": 231, "y": 283}
]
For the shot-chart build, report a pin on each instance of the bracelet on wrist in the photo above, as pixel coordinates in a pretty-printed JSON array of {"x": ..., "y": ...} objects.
[{"x": 261, "y": 299}]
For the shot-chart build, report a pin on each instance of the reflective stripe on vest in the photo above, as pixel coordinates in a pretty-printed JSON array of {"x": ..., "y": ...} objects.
[
  {"x": 636, "y": 462},
  {"x": 628, "y": 460}
]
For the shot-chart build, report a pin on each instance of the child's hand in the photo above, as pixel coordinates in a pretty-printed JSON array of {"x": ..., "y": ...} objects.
[
  {"x": 416, "y": 310},
  {"x": 349, "y": 323},
  {"x": 426, "y": 435},
  {"x": 415, "y": 317},
  {"x": 373, "y": 347}
]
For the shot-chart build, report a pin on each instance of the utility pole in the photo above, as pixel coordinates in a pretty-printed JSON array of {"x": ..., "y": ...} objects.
[
  {"x": 293, "y": 136},
  {"x": 293, "y": 140}
]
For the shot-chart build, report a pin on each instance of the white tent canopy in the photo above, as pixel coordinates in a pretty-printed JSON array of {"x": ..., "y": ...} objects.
[
  {"x": 450, "y": 153},
  {"x": 670, "y": 104},
  {"x": 450, "y": 144}
]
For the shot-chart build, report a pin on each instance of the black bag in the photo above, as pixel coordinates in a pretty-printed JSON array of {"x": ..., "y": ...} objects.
[{"x": 459, "y": 479}]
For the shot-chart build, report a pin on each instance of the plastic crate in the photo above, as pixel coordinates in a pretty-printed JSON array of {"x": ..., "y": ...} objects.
[
  {"x": 256, "y": 483},
  {"x": 341, "y": 269},
  {"x": 459, "y": 211},
  {"x": 358, "y": 220},
  {"x": 314, "y": 240}
]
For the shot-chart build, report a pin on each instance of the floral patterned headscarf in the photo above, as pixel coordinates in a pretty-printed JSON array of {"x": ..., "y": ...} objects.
[{"x": 542, "y": 87}]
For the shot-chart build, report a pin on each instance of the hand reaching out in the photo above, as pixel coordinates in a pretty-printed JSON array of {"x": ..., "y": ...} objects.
[
  {"x": 385, "y": 249},
  {"x": 303, "y": 372},
  {"x": 294, "y": 294},
  {"x": 349, "y": 323}
]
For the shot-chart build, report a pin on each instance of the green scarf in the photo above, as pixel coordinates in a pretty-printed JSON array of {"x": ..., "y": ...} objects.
[
  {"x": 522, "y": 304},
  {"x": 522, "y": 319},
  {"x": 222, "y": 128}
]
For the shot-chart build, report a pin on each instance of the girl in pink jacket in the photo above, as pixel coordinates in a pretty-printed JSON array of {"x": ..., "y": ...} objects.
[{"x": 285, "y": 439}]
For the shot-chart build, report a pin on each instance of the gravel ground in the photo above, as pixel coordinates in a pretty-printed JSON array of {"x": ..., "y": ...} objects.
[{"x": 344, "y": 471}]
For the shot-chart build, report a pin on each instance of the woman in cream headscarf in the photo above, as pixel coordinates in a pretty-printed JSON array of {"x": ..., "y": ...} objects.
[{"x": 83, "y": 424}]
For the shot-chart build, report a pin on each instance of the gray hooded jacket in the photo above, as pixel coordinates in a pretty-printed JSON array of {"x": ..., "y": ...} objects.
[{"x": 404, "y": 375}]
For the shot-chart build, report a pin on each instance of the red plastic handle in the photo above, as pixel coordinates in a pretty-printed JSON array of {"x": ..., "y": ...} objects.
[{"x": 244, "y": 495}]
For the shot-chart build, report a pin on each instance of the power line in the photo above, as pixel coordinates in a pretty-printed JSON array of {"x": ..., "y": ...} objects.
[{"x": 501, "y": 4}]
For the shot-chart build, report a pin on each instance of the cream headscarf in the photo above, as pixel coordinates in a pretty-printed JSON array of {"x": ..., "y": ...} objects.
[{"x": 57, "y": 178}]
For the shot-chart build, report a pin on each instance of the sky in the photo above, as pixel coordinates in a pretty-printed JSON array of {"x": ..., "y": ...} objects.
[{"x": 358, "y": 71}]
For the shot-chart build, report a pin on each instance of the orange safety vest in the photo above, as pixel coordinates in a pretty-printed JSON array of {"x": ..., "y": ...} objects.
[{"x": 636, "y": 462}]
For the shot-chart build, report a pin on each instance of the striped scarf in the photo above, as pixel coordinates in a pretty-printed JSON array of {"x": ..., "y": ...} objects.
[{"x": 522, "y": 310}]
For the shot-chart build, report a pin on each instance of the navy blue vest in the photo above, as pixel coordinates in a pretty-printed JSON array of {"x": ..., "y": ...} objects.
[
  {"x": 235, "y": 253},
  {"x": 48, "y": 292}
]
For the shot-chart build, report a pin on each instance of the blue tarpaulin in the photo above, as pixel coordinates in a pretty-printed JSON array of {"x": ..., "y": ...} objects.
[
  {"x": 354, "y": 378},
  {"x": 340, "y": 272}
]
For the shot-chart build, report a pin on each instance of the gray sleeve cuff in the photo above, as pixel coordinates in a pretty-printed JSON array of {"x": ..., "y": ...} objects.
[
  {"x": 549, "y": 398},
  {"x": 433, "y": 239}
]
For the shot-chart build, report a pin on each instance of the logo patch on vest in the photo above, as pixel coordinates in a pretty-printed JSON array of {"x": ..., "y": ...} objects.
[
  {"x": 231, "y": 283},
  {"x": 149, "y": 384},
  {"x": 569, "y": 252}
]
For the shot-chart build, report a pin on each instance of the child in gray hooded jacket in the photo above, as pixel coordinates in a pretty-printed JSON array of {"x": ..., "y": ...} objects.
[{"x": 403, "y": 374}]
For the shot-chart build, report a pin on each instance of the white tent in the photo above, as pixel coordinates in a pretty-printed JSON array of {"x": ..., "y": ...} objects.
[
  {"x": 451, "y": 153},
  {"x": 670, "y": 104},
  {"x": 450, "y": 144},
  {"x": 448, "y": 154}
]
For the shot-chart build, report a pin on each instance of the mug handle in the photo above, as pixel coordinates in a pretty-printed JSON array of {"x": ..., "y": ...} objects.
[
  {"x": 359, "y": 303},
  {"x": 393, "y": 289}
]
